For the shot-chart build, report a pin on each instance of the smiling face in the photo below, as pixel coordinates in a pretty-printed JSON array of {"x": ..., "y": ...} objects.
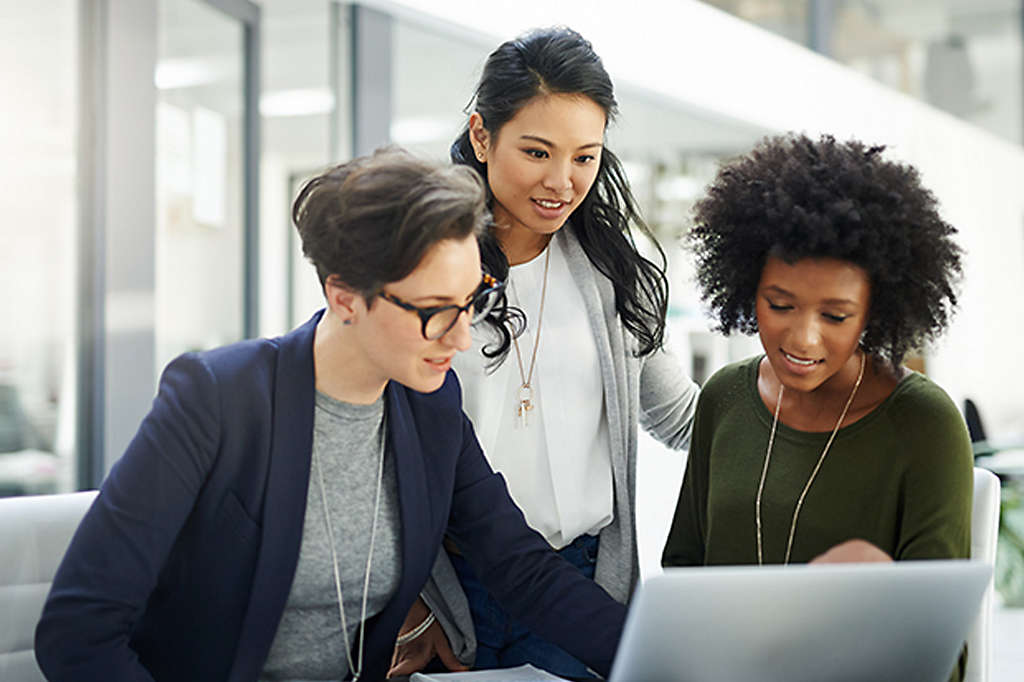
[
  {"x": 541, "y": 164},
  {"x": 390, "y": 338},
  {"x": 810, "y": 315}
]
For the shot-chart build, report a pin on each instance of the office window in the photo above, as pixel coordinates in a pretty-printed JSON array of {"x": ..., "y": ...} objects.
[
  {"x": 199, "y": 184},
  {"x": 433, "y": 79},
  {"x": 305, "y": 115},
  {"x": 38, "y": 117}
]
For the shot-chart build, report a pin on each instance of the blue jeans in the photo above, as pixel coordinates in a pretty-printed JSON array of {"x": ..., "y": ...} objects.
[{"x": 502, "y": 641}]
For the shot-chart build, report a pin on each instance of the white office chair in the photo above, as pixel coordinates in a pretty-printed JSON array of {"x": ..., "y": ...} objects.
[
  {"x": 34, "y": 534},
  {"x": 984, "y": 533}
]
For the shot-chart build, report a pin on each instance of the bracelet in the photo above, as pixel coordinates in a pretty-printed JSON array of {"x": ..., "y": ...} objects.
[{"x": 416, "y": 631}]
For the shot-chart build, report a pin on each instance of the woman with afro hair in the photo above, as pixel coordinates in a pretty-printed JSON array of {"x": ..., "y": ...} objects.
[{"x": 825, "y": 447}]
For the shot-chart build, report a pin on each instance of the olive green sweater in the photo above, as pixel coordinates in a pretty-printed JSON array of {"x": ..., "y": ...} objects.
[{"x": 900, "y": 477}]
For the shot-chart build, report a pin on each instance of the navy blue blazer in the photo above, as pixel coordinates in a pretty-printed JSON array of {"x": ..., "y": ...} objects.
[{"x": 181, "y": 568}]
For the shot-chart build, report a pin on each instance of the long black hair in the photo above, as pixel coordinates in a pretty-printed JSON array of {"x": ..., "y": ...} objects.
[{"x": 559, "y": 60}]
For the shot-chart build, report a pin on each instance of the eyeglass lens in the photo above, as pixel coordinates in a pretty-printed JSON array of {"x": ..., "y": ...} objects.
[{"x": 443, "y": 320}]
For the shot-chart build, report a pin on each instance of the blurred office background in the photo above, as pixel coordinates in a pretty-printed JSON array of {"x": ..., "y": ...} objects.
[{"x": 151, "y": 149}]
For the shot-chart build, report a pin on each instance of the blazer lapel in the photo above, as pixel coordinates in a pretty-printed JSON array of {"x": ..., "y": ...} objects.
[
  {"x": 413, "y": 494},
  {"x": 284, "y": 505}
]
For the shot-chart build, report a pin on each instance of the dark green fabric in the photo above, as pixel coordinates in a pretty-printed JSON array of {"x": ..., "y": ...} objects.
[{"x": 900, "y": 477}]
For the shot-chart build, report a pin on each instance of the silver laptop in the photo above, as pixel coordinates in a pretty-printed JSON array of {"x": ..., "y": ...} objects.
[{"x": 832, "y": 622}]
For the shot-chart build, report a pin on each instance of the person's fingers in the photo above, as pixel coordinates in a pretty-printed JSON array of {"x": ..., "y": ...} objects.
[
  {"x": 410, "y": 658},
  {"x": 444, "y": 651},
  {"x": 404, "y": 667}
]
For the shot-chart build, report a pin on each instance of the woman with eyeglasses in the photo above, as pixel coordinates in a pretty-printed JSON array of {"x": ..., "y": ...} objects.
[
  {"x": 283, "y": 502},
  {"x": 557, "y": 408}
]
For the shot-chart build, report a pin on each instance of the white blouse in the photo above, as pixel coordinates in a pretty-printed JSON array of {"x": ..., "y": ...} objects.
[{"x": 557, "y": 466}]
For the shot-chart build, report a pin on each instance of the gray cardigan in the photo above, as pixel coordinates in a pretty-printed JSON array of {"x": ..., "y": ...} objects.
[{"x": 652, "y": 391}]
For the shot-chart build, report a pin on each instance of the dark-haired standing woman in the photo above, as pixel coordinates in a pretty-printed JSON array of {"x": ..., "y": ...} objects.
[{"x": 556, "y": 408}]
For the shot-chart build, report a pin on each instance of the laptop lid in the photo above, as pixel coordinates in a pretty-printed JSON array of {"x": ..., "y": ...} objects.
[{"x": 880, "y": 621}]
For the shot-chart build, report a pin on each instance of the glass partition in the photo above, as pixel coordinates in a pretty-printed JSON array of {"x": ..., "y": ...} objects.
[
  {"x": 433, "y": 78},
  {"x": 199, "y": 179},
  {"x": 38, "y": 272},
  {"x": 305, "y": 109}
]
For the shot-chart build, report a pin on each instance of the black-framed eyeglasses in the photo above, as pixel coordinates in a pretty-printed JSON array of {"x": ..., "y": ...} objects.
[{"x": 437, "y": 321}]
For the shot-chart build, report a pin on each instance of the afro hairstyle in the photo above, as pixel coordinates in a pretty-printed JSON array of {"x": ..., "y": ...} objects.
[{"x": 795, "y": 198}]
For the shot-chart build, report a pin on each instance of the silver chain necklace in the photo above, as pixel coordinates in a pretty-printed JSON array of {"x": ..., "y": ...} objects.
[
  {"x": 356, "y": 672},
  {"x": 814, "y": 473},
  {"x": 525, "y": 402}
]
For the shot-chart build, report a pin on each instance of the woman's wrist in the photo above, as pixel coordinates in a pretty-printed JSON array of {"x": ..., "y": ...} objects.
[{"x": 416, "y": 631}]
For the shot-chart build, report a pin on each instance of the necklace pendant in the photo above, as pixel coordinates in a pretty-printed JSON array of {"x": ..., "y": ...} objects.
[{"x": 525, "y": 405}]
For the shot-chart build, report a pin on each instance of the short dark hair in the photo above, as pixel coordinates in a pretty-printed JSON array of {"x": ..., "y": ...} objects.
[
  {"x": 559, "y": 60},
  {"x": 370, "y": 221},
  {"x": 795, "y": 198}
]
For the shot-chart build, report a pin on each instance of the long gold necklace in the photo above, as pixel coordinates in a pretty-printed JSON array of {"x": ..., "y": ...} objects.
[
  {"x": 814, "y": 473},
  {"x": 525, "y": 395}
]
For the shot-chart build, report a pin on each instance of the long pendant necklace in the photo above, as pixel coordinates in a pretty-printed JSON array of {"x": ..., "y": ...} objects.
[
  {"x": 356, "y": 671},
  {"x": 814, "y": 472},
  {"x": 525, "y": 395}
]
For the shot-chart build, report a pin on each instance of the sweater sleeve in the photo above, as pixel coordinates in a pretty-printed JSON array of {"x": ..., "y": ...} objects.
[
  {"x": 938, "y": 481},
  {"x": 444, "y": 596},
  {"x": 668, "y": 399},
  {"x": 687, "y": 536}
]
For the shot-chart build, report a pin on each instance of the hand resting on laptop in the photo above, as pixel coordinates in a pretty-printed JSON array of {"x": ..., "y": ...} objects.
[{"x": 852, "y": 551}]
